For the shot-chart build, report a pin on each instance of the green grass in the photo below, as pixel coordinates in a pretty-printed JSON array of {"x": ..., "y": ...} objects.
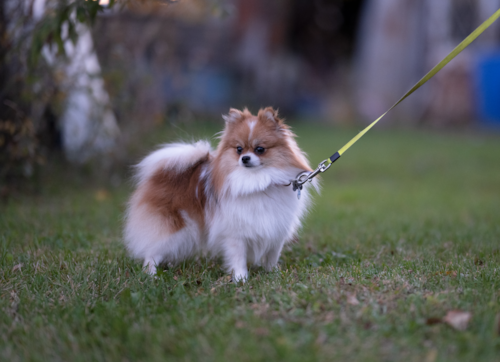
[{"x": 408, "y": 222}]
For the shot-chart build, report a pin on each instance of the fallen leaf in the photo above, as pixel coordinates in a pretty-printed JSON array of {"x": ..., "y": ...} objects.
[
  {"x": 17, "y": 267},
  {"x": 352, "y": 300},
  {"x": 457, "y": 319}
]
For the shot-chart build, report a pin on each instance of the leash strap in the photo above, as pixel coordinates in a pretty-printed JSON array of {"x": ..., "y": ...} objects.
[
  {"x": 464, "y": 44},
  {"x": 325, "y": 165}
]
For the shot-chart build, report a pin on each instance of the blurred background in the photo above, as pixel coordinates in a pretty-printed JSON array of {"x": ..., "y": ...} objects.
[{"x": 84, "y": 81}]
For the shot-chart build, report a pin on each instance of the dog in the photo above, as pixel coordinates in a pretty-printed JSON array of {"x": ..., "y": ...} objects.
[{"x": 236, "y": 202}]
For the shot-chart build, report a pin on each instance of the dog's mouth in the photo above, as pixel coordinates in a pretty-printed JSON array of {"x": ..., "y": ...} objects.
[{"x": 251, "y": 165}]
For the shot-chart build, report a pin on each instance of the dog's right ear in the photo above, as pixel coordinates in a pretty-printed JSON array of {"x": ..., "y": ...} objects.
[{"x": 233, "y": 116}]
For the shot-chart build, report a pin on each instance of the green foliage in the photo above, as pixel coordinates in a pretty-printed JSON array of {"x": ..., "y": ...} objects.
[
  {"x": 28, "y": 83},
  {"x": 407, "y": 225},
  {"x": 59, "y": 25}
]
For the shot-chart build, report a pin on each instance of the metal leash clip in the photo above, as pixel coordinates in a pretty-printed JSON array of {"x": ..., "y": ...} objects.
[{"x": 305, "y": 176}]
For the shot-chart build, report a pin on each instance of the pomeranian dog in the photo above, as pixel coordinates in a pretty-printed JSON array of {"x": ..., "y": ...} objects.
[{"x": 236, "y": 202}]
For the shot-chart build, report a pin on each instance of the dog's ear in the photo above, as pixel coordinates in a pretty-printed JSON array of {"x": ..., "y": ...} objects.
[
  {"x": 233, "y": 116},
  {"x": 270, "y": 114}
]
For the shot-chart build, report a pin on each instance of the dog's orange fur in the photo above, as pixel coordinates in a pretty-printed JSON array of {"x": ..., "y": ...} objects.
[{"x": 168, "y": 192}]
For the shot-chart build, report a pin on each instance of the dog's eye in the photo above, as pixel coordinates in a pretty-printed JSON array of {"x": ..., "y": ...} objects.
[
  {"x": 239, "y": 150},
  {"x": 259, "y": 150}
]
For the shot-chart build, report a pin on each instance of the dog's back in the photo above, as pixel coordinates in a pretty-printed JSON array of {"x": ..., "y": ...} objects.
[{"x": 166, "y": 215}]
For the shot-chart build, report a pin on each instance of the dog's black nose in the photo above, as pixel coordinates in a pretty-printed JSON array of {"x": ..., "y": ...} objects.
[{"x": 245, "y": 159}]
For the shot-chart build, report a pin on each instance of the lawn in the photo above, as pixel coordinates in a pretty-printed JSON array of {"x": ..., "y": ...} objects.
[{"x": 406, "y": 229}]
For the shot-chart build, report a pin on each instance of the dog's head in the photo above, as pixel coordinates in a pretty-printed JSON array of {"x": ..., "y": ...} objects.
[
  {"x": 254, "y": 148},
  {"x": 255, "y": 141}
]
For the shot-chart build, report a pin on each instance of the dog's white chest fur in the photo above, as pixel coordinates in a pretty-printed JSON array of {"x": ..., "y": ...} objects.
[
  {"x": 256, "y": 215},
  {"x": 265, "y": 217}
]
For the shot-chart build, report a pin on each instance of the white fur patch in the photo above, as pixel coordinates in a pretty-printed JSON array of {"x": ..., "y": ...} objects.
[
  {"x": 175, "y": 156},
  {"x": 147, "y": 238},
  {"x": 260, "y": 223},
  {"x": 248, "y": 180},
  {"x": 251, "y": 125}
]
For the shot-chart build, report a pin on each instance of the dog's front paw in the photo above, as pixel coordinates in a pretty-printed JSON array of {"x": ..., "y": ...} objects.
[
  {"x": 149, "y": 266},
  {"x": 240, "y": 276}
]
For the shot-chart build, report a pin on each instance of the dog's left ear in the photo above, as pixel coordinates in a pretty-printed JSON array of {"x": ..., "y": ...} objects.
[
  {"x": 234, "y": 115},
  {"x": 270, "y": 114}
]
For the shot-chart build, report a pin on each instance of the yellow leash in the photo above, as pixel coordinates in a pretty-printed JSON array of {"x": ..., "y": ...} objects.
[{"x": 325, "y": 165}]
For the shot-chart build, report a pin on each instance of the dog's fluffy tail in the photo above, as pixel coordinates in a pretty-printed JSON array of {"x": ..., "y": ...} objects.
[{"x": 172, "y": 156}]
